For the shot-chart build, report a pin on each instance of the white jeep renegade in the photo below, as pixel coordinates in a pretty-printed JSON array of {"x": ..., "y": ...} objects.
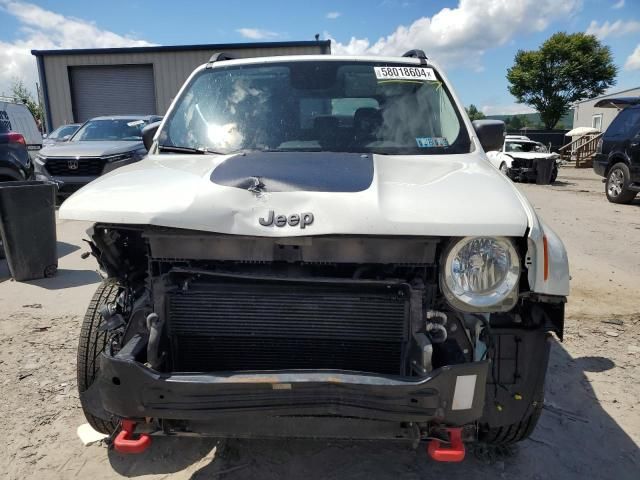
[{"x": 317, "y": 246}]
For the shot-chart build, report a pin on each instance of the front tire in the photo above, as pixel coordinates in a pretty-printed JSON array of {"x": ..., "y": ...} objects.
[
  {"x": 504, "y": 169},
  {"x": 512, "y": 409},
  {"x": 617, "y": 184},
  {"x": 92, "y": 343},
  {"x": 510, "y": 434}
]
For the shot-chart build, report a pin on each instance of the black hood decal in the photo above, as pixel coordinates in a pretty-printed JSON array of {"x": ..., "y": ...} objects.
[{"x": 296, "y": 171}]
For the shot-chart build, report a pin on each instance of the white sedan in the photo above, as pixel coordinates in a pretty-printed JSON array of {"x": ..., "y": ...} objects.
[{"x": 525, "y": 152}]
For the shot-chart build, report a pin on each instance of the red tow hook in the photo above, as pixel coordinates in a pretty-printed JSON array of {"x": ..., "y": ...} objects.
[
  {"x": 454, "y": 452},
  {"x": 123, "y": 442}
]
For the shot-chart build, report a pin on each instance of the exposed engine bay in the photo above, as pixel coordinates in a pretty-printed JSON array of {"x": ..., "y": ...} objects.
[{"x": 196, "y": 302}]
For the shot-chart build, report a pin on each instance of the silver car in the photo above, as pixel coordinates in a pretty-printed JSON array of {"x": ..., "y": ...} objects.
[
  {"x": 100, "y": 145},
  {"x": 60, "y": 134}
]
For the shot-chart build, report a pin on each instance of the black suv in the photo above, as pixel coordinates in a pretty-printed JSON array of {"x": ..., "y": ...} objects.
[
  {"x": 15, "y": 163},
  {"x": 618, "y": 152}
]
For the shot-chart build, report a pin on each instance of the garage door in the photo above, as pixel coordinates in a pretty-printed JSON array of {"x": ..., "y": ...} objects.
[{"x": 112, "y": 90}]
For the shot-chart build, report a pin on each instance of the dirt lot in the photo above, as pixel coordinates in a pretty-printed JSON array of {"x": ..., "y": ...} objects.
[{"x": 590, "y": 427}]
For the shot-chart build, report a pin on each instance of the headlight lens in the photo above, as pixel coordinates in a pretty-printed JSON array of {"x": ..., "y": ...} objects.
[{"x": 481, "y": 274}]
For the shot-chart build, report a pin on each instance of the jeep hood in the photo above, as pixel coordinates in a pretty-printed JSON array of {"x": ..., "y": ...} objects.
[
  {"x": 448, "y": 195},
  {"x": 90, "y": 148}
]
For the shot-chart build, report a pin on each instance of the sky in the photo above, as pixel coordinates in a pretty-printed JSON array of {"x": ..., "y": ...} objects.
[{"x": 475, "y": 41}]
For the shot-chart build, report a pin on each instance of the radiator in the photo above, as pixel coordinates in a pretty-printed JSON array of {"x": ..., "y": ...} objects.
[{"x": 283, "y": 326}]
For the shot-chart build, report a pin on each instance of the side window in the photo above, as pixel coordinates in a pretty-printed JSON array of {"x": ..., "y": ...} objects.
[
  {"x": 625, "y": 125},
  {"x": 349, "y": 106},
  {"x": 310, "y": 108}
]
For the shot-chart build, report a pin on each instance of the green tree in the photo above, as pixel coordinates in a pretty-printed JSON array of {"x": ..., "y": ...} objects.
[
  {"x": 565, "y": 69},
  {"x": 21, "y": 92},
  {"x": 474, "y": 113},
  {"x": 516, "y": 122}
]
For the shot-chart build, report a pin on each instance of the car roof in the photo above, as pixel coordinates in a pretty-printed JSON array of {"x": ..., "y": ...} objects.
[
  {"x": 322, "y": 58},
  {"x": 125, "y": 117}
]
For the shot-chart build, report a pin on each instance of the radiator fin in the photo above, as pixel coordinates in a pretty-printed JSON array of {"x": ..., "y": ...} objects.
[{"x": 241, "y": 326}]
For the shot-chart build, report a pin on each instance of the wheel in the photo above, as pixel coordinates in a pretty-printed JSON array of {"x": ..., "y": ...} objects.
[
  {"x": 617, "y": 183},
  {"x": 503, "y": 168},
  {"x": 554, "y": 173},
  {"x": 92, "y": 343},
  {"x": 514, "y": 433},
  {"x": 512, "y": 411}
]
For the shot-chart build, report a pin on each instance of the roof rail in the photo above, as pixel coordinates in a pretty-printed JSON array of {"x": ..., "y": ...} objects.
[
  {"x": 219, "y": 57},
  {"x": 416, "y": 54}
]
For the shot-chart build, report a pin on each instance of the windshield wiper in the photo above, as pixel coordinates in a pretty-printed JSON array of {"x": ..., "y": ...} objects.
[{"x": 196, "y": 151}]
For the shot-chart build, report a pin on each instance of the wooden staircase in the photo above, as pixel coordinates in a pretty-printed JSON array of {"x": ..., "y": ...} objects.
[{"x": 579, "y": 153}]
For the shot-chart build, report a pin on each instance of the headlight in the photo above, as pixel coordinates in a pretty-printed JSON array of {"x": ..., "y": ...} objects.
[
  {"x": 117, "y": 158},
  {"x": 481, "y": 274}
]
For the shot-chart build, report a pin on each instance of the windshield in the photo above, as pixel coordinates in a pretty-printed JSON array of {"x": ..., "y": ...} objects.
[
  {"x": 512, "y": 146},
  {"x": 63, "y": 131},
  {"x": 127, "y": 129},
  {"x": 317, "y": 106}
]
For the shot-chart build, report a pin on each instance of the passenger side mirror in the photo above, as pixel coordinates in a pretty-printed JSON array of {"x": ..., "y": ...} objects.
[
  {"x": 148, "y": 133},
  {"x": 490, "y": 133},
  {"x": 44, "y": 135}
]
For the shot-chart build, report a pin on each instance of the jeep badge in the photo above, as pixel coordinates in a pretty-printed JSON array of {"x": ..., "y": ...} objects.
[{"x": 303, "y": 220}]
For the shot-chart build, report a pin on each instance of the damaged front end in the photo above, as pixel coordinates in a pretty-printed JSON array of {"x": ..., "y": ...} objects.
[
  {"x": 528, "y": 168},
  {"x": 317, "y": 336}
]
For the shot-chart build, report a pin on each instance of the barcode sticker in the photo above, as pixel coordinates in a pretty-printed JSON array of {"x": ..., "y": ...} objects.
[{"x": 405, "y": 73}]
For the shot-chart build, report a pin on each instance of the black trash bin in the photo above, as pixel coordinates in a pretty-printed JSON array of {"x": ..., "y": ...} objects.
[
  {"x": 28, "y": 228},
  {"x": 544, "y": 169}
]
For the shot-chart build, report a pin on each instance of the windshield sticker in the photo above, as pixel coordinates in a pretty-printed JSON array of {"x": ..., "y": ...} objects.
[
  {"x": 134, "y": 123},
  {"x": 431, "y": 142},
  {"x": 405, "y": 73}
]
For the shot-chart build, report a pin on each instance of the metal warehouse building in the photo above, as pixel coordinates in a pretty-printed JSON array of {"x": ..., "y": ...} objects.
[
  {"x": 81, "y": 84},
  {"x": 585, "y": 114}
]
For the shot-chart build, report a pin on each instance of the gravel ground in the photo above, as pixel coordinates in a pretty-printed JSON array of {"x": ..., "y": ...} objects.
[{"x": 590, "y": 427}]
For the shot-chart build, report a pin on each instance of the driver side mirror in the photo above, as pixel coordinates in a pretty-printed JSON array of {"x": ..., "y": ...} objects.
[
  {"x": 490, "y": 133},
  {"x": 148, "y": 133},
  {"x": 65, "y": 138}
]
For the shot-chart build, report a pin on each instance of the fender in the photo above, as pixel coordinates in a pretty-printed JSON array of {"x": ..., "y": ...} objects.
[
  {"x": 557, "y": 277},
  {"x": 617, "y": 157}
]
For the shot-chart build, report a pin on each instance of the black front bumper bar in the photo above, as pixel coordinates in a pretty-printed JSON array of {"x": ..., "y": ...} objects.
[{"x": 453, "y": 395}]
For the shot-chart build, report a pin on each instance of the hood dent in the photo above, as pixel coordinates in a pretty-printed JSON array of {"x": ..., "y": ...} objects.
[{"x": 409, "y": 195}]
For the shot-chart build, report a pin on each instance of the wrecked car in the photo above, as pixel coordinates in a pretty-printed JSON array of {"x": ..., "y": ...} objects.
[
  {"x": 519, "y": 156},
  {"x": 317, "y": 246}
]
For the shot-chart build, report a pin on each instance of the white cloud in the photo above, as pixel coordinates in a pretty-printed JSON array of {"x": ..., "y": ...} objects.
[
  {"x": 510, "y": 109},
  {"x": 633, "y": 60},
  {"x": 256, "y": 33},
  {"x": 461, "y": 35},
  {"x": 619, "y": 4},
  {"x": 615, "y": 29},
  {"x": 333, "y": 15},
  {"x": 42, "y": 29}
]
